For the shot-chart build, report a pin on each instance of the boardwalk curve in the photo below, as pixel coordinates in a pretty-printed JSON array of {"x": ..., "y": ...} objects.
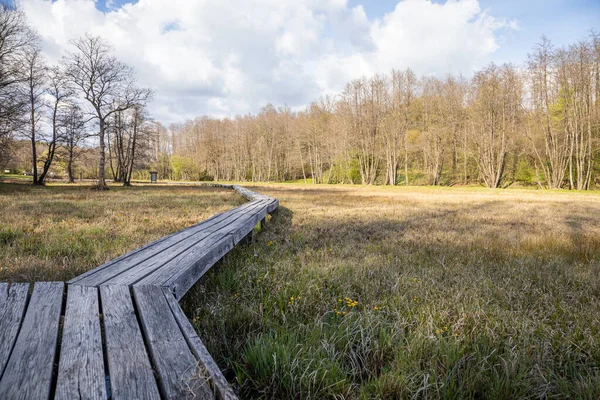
[{"x": 117, "y": 330}]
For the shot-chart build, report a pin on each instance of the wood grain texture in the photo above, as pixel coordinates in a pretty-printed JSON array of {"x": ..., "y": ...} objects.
[
  {"x": 201, "y": 252},
  {"x": 108, "y": 270},
  {"x": 13, "y": 300},
  {"x": 177, "y": 368},
  {"x": 157, "y": 261},
  {"x": 28, "y": 374},
  {"x": 220, "y": 386},
  {"x": 205, "y": 252},
  {"x": 81, "y": 367},
  {"x": 129, "y": 368},
  {"x": 135, "y": 265},
  {"x": 251, "y": 195},
  {"x": 245, "y": 193},
  {"x": 182, "y": 279},
  {"x": 246, "y": 225},
  {"x": 182, "y": 273}
]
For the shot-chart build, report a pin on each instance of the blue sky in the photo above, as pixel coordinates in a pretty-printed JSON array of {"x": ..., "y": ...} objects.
[{"x": 562, "y": 21}]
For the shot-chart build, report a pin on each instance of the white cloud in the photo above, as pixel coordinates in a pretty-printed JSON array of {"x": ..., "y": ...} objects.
[{"x": 233, "y": 56}]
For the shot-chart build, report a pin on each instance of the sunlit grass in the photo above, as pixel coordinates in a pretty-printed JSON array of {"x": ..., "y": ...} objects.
[
  {"x": 59, "y": 231},
  {"x": 356, "y": 292}
]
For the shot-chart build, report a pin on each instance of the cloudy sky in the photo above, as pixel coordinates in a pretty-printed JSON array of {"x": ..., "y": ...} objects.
[{"x": 228, "y": 57}]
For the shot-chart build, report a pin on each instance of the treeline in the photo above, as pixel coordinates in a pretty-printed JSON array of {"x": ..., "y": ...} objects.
[
  {"x": 88, "y": 103},
  {"x": 535, "y": 124}
]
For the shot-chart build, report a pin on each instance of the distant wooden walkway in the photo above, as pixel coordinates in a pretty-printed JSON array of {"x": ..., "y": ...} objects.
[{"x": 117, "y": 331}]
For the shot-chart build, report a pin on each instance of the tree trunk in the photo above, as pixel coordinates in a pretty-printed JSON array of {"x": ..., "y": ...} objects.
[
  {"x": 33, "y": 141},
  {"x": 101, "y": 180},
  {"x": 34, "y": 153},
  {"x": 127, "y": 178},
  {"x": 51, "y": 147},
  {"x": 70, "y": 162}
]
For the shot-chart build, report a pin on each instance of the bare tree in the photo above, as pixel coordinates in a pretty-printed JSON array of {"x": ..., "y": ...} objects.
[
  {"x": 363, "y": 105},
  {"x": 129, "y": 133},
  {"x": 163, "y": 149},
  {"x": 553, "y": 158},
  {"x": 35, "y": 78},
  {"x": 73, "y": 122},
  {"x": 106, "y": 83},
  {"x": 434, "y": 135},
  {"x": 15, "y": 40},
  {"x": 497, "y": 108},
  {"x": 59, "y": 92}
]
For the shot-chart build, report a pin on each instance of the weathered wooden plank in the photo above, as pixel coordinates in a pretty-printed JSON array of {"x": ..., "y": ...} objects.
[
  {"x": 251, "y": 195},
  {"x": 196, "y": 254},
  {"x": 148, "y": 247},
  {"x": 273, "y": 205},
  {"x": 129, "y": 368},
  {"x": 183, "y": 257},
  {"x": 197, "y": 262},
  {"x": 244, "y": 226},
  {"x": 130, "y": 260},
  {"x": 28, "y": 374},
  {"x": 13, "y": 300},
  {"x": 218, "y": 382},
  {"x": 102, "y": 273},
  {"x": 157, "y": 261},
  {"x": 183, "y": 271},
  {"x": 245, "y": 193},
  {"x": 81, "y": 367},
  {"x": 220, "y": 185},
  {"x": 178, "y": 373}
]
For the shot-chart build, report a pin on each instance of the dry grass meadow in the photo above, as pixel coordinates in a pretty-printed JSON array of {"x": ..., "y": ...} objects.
[
  {"x": 358, "y": 292},
  {"x": 372, "y": 292},
  {"x": 60, "y": 231}
]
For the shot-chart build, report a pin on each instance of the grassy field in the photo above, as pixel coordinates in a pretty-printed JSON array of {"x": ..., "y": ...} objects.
[
  {"x": 358, "y": 292},
  {"x": 59, "y": 231},
  {"x": 354, "y": 292}
]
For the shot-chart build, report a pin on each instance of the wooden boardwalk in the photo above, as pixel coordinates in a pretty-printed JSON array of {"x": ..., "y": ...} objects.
[{"x": 117, "y": 331}]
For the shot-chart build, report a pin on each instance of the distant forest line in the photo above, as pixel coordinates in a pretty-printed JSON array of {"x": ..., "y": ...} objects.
[{"x": 535, "y": 124}]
